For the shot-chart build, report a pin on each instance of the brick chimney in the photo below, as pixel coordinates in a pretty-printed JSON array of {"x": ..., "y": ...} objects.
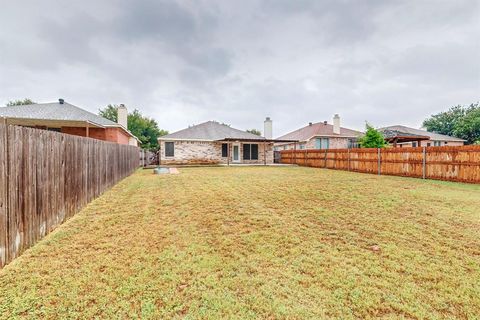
[
  {"x": 268, "y": 128},
  {"x": 122, "y": 114},
  {"x": 336, "y": 124}
]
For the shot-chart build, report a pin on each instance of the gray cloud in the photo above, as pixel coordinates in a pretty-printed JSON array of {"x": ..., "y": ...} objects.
[{"x": 184, "y": 62}]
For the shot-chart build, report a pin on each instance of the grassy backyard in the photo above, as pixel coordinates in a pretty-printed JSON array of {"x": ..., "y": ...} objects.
[{"x": 258, "y": 242}]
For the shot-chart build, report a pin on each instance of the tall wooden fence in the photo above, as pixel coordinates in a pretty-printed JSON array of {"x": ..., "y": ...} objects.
[
  {"x": 441, "y": 163},
  {"x": 46, "y": 177}
]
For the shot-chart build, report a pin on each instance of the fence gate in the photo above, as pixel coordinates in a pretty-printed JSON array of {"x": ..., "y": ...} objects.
[{"x": 148, "y": 158}]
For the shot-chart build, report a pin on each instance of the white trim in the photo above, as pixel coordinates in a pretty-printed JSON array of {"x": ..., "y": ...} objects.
[
  {"x": 174, "y": 139},
  {"x": 239, "y": 153}
]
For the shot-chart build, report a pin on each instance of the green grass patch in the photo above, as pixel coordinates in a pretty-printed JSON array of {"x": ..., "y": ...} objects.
[{"x": 257, "y": 242}]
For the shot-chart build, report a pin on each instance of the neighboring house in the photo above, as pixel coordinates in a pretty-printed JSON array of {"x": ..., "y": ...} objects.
[
  {"x": 66, "y": 118},
  {"x": 402, "y": 136},
  {"x": 214, "y": 143},
  {"x": 321, "y": 135}
]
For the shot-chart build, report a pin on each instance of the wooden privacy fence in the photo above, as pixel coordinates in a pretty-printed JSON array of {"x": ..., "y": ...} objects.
[
  {"x": 441, "y": 163},
  {"x": 46, "y": 177}
]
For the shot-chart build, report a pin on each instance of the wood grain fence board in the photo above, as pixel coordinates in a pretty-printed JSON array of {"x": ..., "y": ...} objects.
[
  {"x": 3, "y": 195},
  {"x": 46, "y": 177},
  {"x": 460, "y": 164}
]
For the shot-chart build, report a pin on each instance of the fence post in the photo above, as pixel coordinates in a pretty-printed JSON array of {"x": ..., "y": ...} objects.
[
  {"x": 325, "y": 159},
  {"x": 295, "y": 153},
  {"x": 5, "y": 257},
  {"x": 348, "y": 161},
  {"x": 424, "y": 162},
  {"x": 379, "y": 162}
]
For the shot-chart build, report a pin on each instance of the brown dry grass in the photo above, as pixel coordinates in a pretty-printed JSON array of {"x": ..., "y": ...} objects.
[{"x": 257, "y": 242}]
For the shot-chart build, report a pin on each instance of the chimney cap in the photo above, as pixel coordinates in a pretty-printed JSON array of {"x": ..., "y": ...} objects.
[
  {"x": 121, "y": 105},
  {"x": 336, "y": 115},
  {"x": 325, "y": 122},
  {"x": 267, "y": 119},
  {"x": 310, "y": 123},
  {"x": 61, "y": 101}
]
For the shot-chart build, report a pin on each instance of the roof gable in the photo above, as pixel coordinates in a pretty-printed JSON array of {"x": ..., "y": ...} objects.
[
  {"x": 319, "y": 129},
  {"x": 54, "y": 111},
  {"x": 210, "y": 131},
  {"x": 418, "y": 132}
]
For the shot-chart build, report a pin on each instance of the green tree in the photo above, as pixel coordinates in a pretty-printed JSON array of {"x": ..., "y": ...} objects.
[
  {"x": 372, "y": 138},
  {"x": 20, "y": 102},
  {"x": 459, "y": 121},
  {"x": 110, "y": 113},
  {"x": 144, "y": 128},
  {"x": 468, "y": 127},
  {"x": 255, "y": 132}
]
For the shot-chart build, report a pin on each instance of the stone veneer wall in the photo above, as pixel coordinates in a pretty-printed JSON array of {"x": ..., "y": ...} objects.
[{"x": 207, "y": 152}]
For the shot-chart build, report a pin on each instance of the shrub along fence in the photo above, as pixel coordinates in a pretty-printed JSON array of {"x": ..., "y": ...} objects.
[
  {"x": 46, "y": 177},
  {"x": 441, "y": 163}
]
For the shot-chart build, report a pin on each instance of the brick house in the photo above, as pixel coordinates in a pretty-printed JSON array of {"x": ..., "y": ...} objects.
[
  {"x": 66, "y": 118},
  {"x": 402, "y": 136},
  {"x": 215, "y": 143},
  {"x": 320, "y": 135}
]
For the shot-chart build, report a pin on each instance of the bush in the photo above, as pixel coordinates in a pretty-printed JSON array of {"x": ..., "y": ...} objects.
[{"x": 372, "y": 138}]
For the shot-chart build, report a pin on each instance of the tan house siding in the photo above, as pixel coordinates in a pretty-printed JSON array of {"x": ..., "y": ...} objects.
[
  {"x": 208, "y": 152},
  {"x": 334, "y": 143}
]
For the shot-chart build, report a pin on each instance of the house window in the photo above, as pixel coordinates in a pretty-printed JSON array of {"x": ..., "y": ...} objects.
[
  {"x": 302, "y": 146},
  {"x": 224, "y": 150},
  {"x": 414, "y": 144},
  {"x": 429, "y": 144},
  {"x": 352, "y": 143},
  {"x": 322, "y": 143},
  {"x": 169, "y": 149},
  {"x": 250, "y": 151}
]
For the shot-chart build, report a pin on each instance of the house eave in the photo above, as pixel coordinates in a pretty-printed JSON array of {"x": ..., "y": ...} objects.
[
  {"x": 51, "y": 123},
  {"x": 177, "y": 139}
]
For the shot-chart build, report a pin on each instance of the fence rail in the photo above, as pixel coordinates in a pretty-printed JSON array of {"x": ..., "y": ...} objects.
[
  {"x": 460, "y": 164},
  {"x": 46, "y": 177}
]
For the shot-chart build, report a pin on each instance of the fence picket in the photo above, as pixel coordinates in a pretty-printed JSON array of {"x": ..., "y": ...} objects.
[
  {"x": 461, "y": 164},
  {"x": 46, "y": 177}
]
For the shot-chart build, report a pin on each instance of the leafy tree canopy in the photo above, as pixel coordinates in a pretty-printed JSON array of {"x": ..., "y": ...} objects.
[
  {"x": 144, "y": 128},
  {"x": 459, "y": 121},
  {"x": 20, "y": 102},
  {"x": 255, "y": 132},
  {"x": 372, "y": 138}
]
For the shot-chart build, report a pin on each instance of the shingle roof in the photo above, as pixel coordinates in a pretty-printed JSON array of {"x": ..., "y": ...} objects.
[
  {"x": 418, "y": 132},
  {"x": 54, "y": 111},
  {"x": 319, "y": 129},
  {"x": 211, "y": 130},
  {"x": 390, "y": 134}
]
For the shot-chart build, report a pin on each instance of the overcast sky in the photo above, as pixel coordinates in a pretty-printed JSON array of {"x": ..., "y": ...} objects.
[{"x": 297, "y": 61}]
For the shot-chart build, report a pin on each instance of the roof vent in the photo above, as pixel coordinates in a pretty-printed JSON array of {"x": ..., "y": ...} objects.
[
  {"x": 310, "y": 124},
  {"x": 325, "y": 122},
  {"x": 61, "y": 101}
]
